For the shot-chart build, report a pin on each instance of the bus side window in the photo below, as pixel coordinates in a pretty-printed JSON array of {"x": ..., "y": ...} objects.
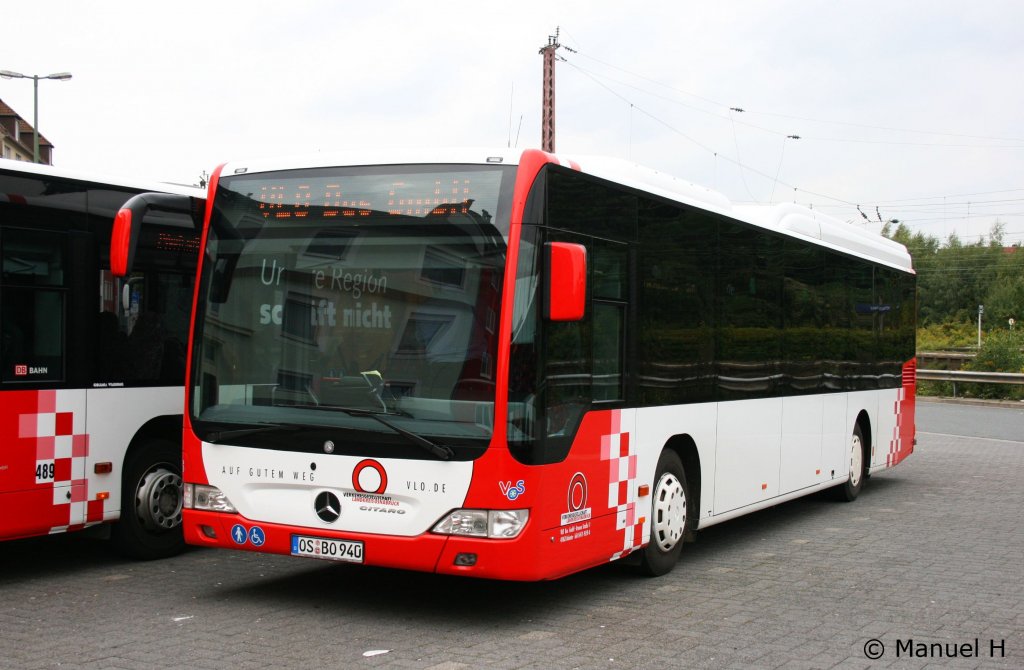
[
  {"x": 33, "y": 294},
  {"x": 111, "y": 345},
  {"x": 609, "y": 271},
  {"x": 142, "y": 339},
  {"x": 146, "y": 341}
]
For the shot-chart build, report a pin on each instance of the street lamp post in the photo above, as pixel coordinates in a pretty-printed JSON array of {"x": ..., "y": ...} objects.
[
  {"x": 981, "y": 310},
  {"x": 60, "y": 76}
]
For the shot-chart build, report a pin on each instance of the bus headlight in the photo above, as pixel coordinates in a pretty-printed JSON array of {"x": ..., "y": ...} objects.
[
  {"x": 208, "y": 498},
  {"x": 498, "y": 524}
]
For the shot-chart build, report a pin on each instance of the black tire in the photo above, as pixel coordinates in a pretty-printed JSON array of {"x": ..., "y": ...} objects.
[
  {"x": 669, "y": 522},
  {"x": 857, "y": 458},
  {"x": 151, "y": 502}
]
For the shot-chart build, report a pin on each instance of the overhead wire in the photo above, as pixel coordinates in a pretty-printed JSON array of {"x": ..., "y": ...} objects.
[
  {"x": 948, "y": 215},
  {"x": 697, "y": 143},
  {"x": 804, "y": 118}
]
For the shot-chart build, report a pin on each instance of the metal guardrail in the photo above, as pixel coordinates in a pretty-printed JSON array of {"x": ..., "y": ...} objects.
[
  {"x": 967, "y": 376},
  {"x": 948, "y": 360}
]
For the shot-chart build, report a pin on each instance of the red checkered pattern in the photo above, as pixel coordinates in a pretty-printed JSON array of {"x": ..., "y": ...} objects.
[
  {"x": 902, "y": 443},
  {"x": 896, "y": 443},
  {"x": 617, "y": 449},
  {"x": 61, "y": 444}
]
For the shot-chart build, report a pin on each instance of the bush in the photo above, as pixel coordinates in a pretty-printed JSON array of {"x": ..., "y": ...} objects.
[
  {"x": 947, "y": 336},
  {"x": 1000, "y": 352}
]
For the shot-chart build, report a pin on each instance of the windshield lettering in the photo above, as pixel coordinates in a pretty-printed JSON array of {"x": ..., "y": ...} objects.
[{"x": 342, "y": 280}]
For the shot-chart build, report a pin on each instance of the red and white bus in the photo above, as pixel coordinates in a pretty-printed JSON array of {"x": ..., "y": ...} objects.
[
  {"x": 519, "y": 365},
  {"x": 91, "y": 367}
]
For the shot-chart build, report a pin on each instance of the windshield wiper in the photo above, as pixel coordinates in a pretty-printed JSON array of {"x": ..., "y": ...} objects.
[
  {"x": 441, "y": 451},
  {"x": 218, "y": 435}
]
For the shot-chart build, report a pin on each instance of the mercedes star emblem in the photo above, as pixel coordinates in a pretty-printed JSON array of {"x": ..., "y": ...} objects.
[{"x": 327, "y": 507}]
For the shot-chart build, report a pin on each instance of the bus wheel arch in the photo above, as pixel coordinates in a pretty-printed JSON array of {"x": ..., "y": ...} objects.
[
  {"x": 864, "y": 421},
  {"x": 686, "y": 449},
  {"x": 151, "y": 495}
]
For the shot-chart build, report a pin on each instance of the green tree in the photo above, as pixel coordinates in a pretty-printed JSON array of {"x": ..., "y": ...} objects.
[
  {"x": 952, "y": 278},
  {"x": 1005, "y": 297}
]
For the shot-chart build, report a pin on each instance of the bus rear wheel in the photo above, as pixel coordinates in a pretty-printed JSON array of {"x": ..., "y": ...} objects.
[
  {"x": 848, "y": 491},
  {"x": 151, "y": 502},
  {"x": 669, "y": 518}
]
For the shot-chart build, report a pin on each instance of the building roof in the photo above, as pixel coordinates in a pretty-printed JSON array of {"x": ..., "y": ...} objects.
[{"x": 24, "y": 127}]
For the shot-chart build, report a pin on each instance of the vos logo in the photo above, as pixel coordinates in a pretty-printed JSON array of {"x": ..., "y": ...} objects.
[
  {"x": 376, "y": 481},
  {"x": 512, "y": 492}
]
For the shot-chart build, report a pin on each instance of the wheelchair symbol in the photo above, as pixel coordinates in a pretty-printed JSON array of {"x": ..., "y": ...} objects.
[{"x": 256, "y": 536}]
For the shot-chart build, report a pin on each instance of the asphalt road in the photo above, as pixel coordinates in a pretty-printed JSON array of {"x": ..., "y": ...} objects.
[
  {"x": 927, "y": 561},
  {"x": 1004, "y": 421}
]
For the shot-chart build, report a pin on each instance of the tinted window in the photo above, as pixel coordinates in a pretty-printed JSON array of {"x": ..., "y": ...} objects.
[
  {"x": 591, "y": 207},
  {"x": 750, "y": 311},
  {"x": 677, "y": 267},
  {"x": 33, "y": 295},
  {"x": 803, "y": 305}
]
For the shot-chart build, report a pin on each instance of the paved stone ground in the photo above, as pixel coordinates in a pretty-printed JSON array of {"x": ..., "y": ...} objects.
[{"x": 931, "y": 552}]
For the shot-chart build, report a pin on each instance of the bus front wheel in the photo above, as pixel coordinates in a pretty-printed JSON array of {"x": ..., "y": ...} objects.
[
  {"x": 151, "y": 502},
  {"x": 669, "y": 516}
]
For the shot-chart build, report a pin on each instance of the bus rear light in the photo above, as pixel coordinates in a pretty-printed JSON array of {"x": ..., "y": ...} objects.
[
  {"x": 499, "y": 524},
  {"x": 104, "y": 468},
  {"x": 208, "y": 498},
  {"x": 643, "y": 491}
]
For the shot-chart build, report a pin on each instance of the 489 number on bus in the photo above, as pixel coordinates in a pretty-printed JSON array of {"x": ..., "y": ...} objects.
[{"x": 328, "y": 549}]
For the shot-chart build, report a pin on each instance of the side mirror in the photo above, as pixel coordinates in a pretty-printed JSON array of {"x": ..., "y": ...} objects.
[
  {"x": 565, "y": 281},
  {"x": 128, "y": 223}
]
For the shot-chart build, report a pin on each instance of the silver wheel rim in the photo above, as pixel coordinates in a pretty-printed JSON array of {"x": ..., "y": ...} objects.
[
  {"x": 158, "y": 499},
  {"x": 669, "y": 512},
  {"x": 856, "y": 460}
]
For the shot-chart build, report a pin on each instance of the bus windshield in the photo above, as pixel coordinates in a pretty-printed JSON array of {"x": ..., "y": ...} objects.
[{"x": 359, "y": 303}]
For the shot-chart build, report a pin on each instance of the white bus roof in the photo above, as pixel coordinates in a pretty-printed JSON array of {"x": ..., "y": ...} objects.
[
  {"x": 787, "y": 218},
  {"x": 95, "y": 178}
]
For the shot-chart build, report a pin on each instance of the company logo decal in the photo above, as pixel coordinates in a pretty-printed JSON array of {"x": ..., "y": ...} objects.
[
  {"x": 327, "y": 507},
  {"x": 576, "y": 500},
  {"x": 369, "y": 476},
  {"x": 26, "y": 370},
  {"x": 511, "y": 491}
]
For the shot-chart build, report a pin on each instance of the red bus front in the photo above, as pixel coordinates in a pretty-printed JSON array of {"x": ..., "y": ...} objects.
[{"x": 346, "y": 397}]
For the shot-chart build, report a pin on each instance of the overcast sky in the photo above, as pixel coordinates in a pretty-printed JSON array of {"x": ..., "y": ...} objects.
[{"x": 911, "y": 107}]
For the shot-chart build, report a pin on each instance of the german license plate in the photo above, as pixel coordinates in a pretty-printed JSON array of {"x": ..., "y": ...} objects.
[{"x": 328, "y": 549}]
